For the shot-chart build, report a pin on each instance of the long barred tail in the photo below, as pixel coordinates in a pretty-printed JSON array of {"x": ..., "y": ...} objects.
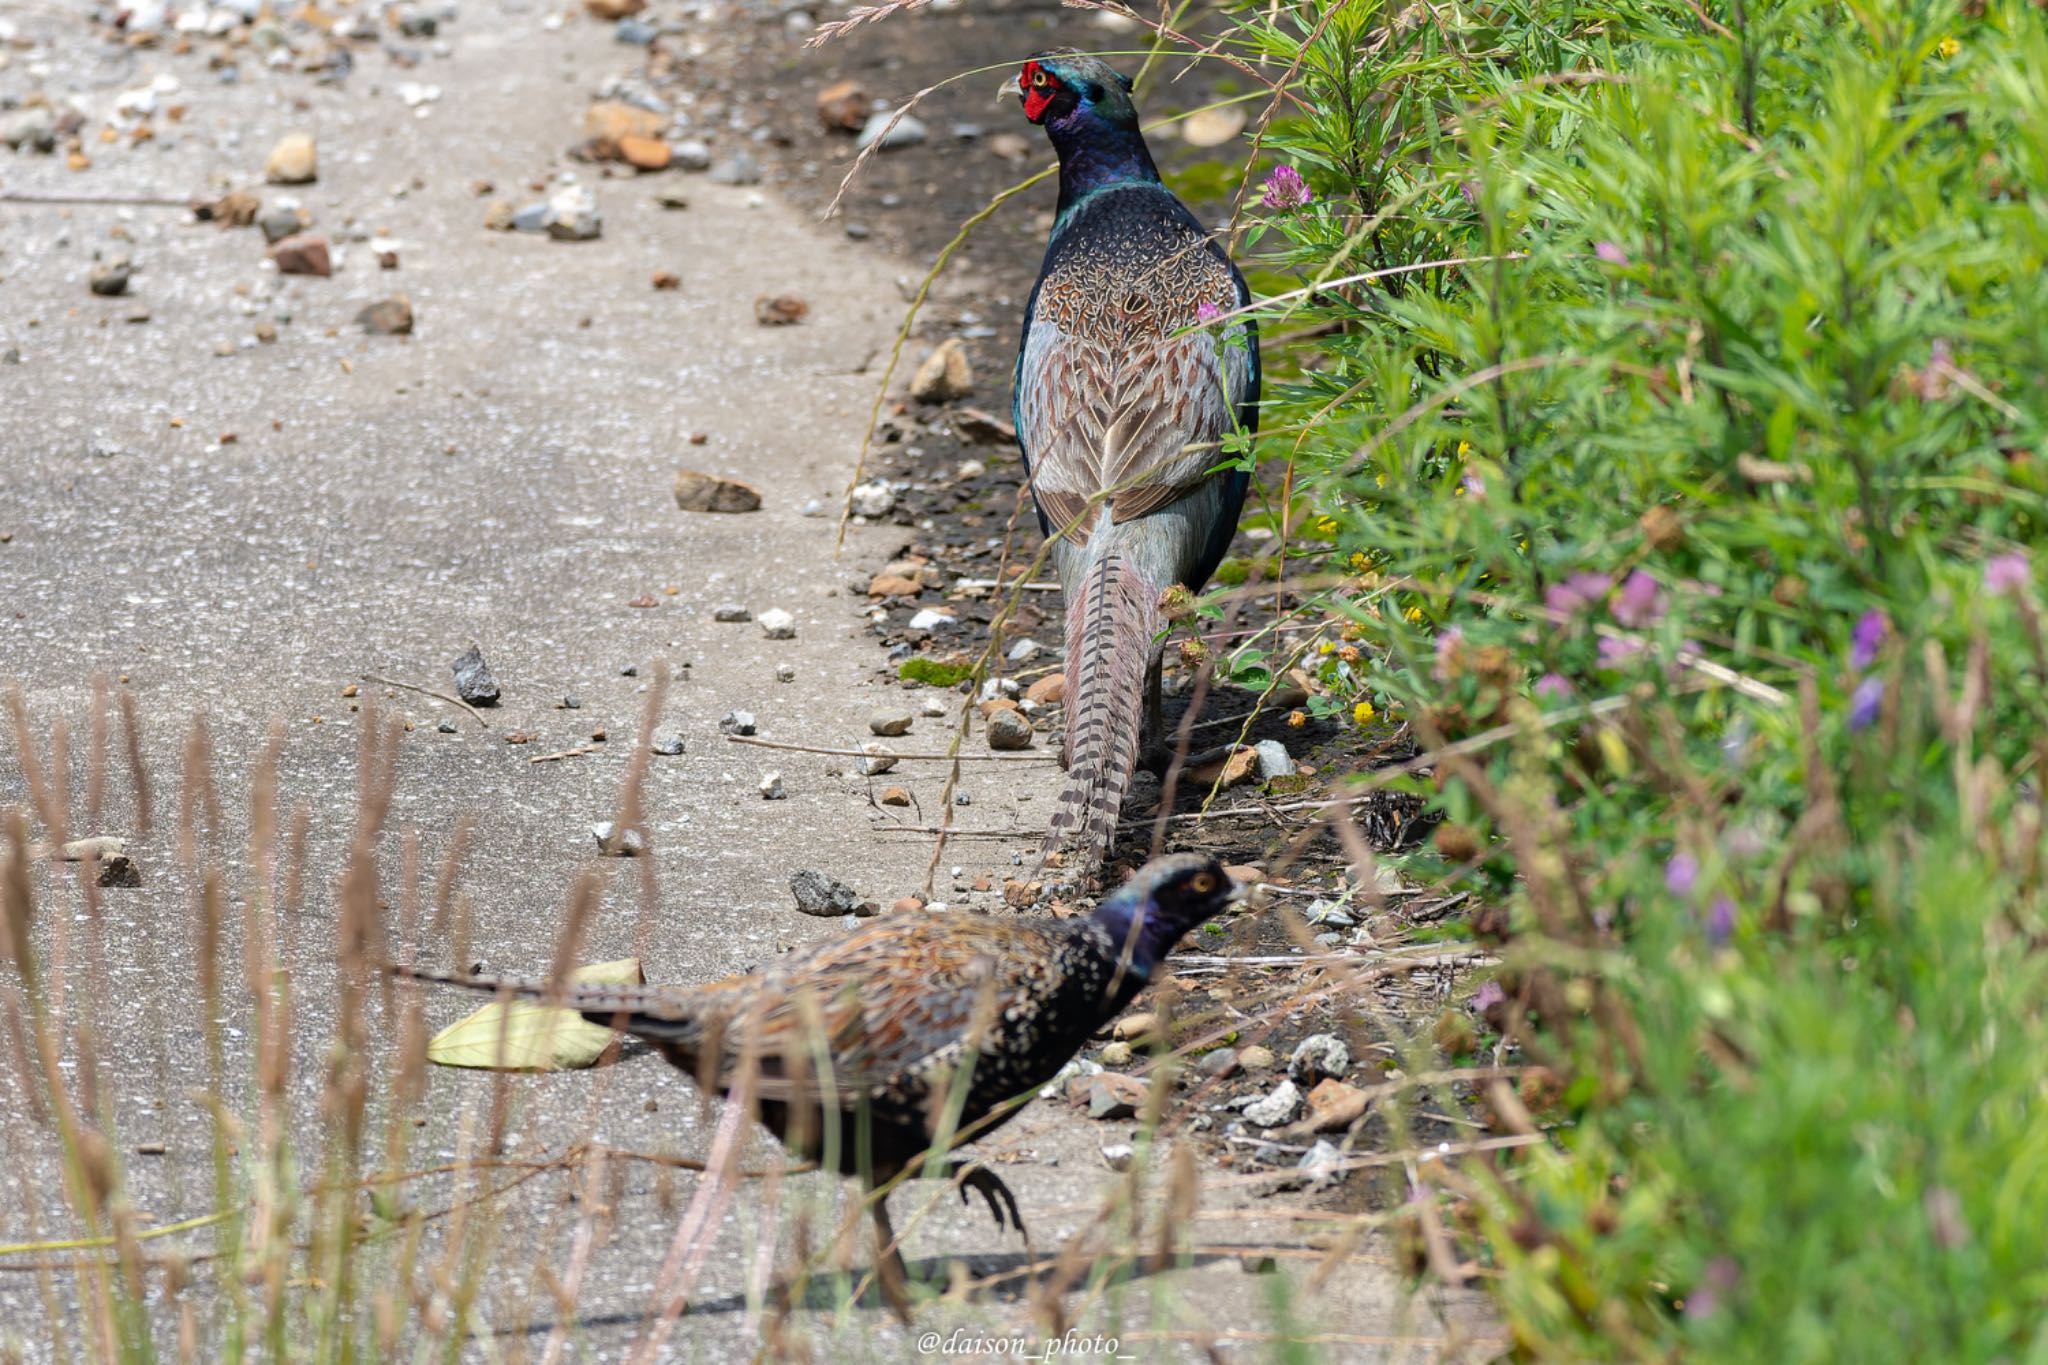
[{"x": 1110, "y": 624}]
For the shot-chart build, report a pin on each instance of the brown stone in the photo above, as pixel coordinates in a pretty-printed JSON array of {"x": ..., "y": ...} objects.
[
  {"x": 608, "y": 124},
  {"x": 1049, "y": 690},
  {"x": 302, "y": 253},
  {"x": 945, "y": 374},
  {"x": 893, "y": 585},
  {"x": 1239, "y": 766},
  {"x": 779, "y": 310},
  {"x": 390, "y": 317},
  {"x": 1332, "y": 1104},
  {"x": 293, "y": 161},
  {"x": 668, "y": 279},
  {"x": 610, "y": 10},
  {"x": 645, "y": 153},
  {"x": 995, "y": 704},
  {"x": 697, "y": 492},
  {"x": 843, "y": 106},
  {"x": 236, "y": 208},
  {"x": 895, "y": 796}
]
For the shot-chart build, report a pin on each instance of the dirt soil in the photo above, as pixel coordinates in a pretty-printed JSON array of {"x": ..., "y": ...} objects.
[{"x": 224, "y": 494}]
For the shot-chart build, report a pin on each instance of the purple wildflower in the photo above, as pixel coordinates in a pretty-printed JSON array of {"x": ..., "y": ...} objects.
[
  {"x": 1446, "y": 651},
  {"x": 1285, "y": 189},
  {"x": 1681, "y": 874},
  {"x": 1863, "y": 703},
  {"x": 1720, "y": 920},
  {"x": 1721, "y": 1277},
  {"x": 1871, "y": 629},
  {"x": 1614, "y": 652},
  {"x": 1610, "y": 253},
  {"x": 1640, "y": 602},
  {"x": 1581, "y": 590},
  {"x": 1487, "y": 996},
  {"x": 2007, "y": 574},
  {"x": 1474, "y": 485},
  {"x": 1206, "y": 311},
  {"x": 1553, "y": 685}
]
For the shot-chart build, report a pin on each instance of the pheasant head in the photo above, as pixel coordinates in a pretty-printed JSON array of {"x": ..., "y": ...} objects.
[
  {"x": 1062, "y": 86},
  {"x": 1168, "y": 897}
]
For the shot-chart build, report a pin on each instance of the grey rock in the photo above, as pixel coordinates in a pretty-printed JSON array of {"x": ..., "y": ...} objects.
[
  {"x": 931, "y": 618},
  {"x": 1274, "y": 760},
  {"x": 731, "y": 612},
  {"x": 1119, "y": 1156},
  {"x": 778, "y": 624},
  {"x": 101, "y": 846},
  {"x": 572, "y": 702},
  {"x": 1257, "y": 1057},
  {"x": 614, "y": 842},
  {"x": 772, "y": 788},
  {"x": 1117, "y": 1053},
  {"x": 1008, "y": 730},
  {"x": 738, "y": 169},
  {"x": 963, "y": 799},
  {"x": 532, "y": 218},
  {"x": 109, "y": 278},
  {"x": 1113, "y": 1097},
  {"x": 282, "y": 221},
  {"x": 119, "y": 870},
  {"x": 572, "y": 215},
  {"x": 908, "y": 131},
  {"x": 890, "y": 721},
  {"x": 873, "y": 499},
  {"x": 1330, "y": 913},
  {"x": 785, "y": 673},
  {"x": 737, "y": 723},
  {"x": 34, "y": 129},
  {"x": 691, "y": 155},
  {"x": 878, "y": 761},
  {"x": 1057, "y": 1086},
  {"x": 635, "y": 33},
  {"x": 1323, "y": 1164},
  {"x": 1023, "y": 651},
  {"x": 1318, "y": 1056},
  {"x": 473, "y": 680},
  {"x": 668, "y": 746},
  {"x": 447, "y": 727},
  {"x": 819, "y": 894},
  {"x": 1272, "y": 1110},
  {"x": 1217, "y": 1064}
]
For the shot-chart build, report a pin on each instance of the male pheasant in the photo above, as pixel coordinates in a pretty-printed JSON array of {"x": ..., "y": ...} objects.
[
  {"x": 899, "y": 1006},
  {"x": 1126, "y": 387}
]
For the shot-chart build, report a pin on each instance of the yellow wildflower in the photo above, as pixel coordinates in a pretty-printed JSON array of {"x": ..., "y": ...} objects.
[
  {"x": 1948, "y": 48},
  {"x": 1363, "y": 713},
  {"x": 1296, "y": 719},
  {"x": 1464, "y": 448},
  {"x": 1326, "y": 648},
  {"x": 1359, "y": 563},
  {"x": 1326, "y": 526},
  {"x": 1415, "y": 615}
]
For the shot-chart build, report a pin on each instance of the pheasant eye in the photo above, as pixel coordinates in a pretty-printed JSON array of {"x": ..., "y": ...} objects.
[{"x": 1202, "y": 884}]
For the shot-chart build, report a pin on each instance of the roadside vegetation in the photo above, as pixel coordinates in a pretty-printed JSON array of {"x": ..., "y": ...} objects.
[{"x": 1664, "y": 424}]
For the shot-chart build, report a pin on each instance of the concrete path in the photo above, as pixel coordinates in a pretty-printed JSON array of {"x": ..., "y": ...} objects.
[{"x": 503, "y": 476}]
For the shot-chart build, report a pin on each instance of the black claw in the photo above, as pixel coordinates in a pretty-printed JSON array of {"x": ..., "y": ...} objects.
[{"x": 1002, "y": 1204}]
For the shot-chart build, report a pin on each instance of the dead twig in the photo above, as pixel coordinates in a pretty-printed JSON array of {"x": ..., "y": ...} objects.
[
  {"x": 905, "y": 758},
  {"x": 429, "y": 692}
]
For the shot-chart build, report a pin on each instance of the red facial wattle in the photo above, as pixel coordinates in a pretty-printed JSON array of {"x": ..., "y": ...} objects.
[{"x": 1038, "y": 86}]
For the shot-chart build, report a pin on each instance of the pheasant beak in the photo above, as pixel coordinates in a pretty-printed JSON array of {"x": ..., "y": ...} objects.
[{"x": 1008, "y": 90}]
